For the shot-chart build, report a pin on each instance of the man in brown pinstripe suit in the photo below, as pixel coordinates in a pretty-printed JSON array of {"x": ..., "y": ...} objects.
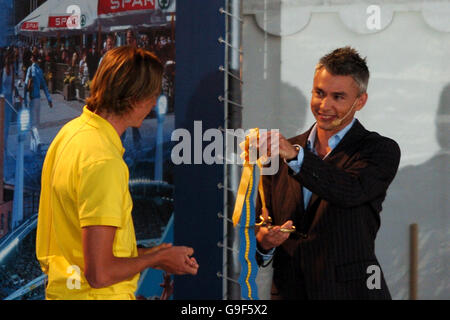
[{"x": 330, "y": 185}]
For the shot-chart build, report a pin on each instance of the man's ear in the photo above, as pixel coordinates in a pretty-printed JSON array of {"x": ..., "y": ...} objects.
[
  {"x": 132, "y": 102},
  {"x": 361, "y": 101}
]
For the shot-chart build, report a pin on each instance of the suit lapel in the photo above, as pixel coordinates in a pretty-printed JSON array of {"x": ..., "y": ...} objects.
[
  {"x": 349, "y": 142},
  {"x": 312, "y": 200}
]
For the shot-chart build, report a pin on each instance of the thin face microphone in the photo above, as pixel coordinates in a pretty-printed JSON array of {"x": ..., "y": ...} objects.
[{"x": 338, "y": 122}]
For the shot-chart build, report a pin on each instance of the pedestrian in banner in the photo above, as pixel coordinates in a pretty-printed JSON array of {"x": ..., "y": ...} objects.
[
  {"x": 34, "y": 81},
  {"x": 109, "y": 45},
  {"x": 83, "y": 72},
  {"x": 8, "y": 75}
]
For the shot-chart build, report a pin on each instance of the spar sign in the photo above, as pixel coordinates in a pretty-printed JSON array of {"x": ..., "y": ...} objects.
[
  {"x": 30, "y": 26},
  {"x": 60, "y": 21},
  {"x": 114, "y": 6},
  {"x": 71, "y": 20}
]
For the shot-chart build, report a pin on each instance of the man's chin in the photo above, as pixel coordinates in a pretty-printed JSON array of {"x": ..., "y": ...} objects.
[{"x": 327, "y": 126}]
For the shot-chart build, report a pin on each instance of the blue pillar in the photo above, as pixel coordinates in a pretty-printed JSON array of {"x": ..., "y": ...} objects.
[
  {"x": 199, "y": 83},
  {"x": 159, "y": 151},
  {"x": 161, "y": 109},
  {"x": 6, "y": 22},
  {"x": 23, "y": 118}
]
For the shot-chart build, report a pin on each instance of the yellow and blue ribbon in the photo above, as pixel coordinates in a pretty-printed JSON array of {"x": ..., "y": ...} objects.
[{"x": 244, "y": 216}]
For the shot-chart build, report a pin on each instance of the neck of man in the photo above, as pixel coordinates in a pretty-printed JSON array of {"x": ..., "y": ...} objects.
[
  {"x": 322, "y": 137},
  {"x": 321, "y": 143},
  {"x": 118, "y": 123}
]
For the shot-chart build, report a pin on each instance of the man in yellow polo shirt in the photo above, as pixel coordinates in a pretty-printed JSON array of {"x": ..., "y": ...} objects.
[{"x": 85, "y": 235}]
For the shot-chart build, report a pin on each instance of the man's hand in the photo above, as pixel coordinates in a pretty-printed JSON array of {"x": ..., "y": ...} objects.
[
  {"x": 274, "y": 237},
  {"x": 276, "y": 144},
  {"x": 177, "y": 260}
]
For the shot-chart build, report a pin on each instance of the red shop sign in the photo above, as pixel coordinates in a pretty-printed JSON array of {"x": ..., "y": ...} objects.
[
  {"x": 60, "y": 21},
  {"x": 114, "y": 6},
  {"x": 30, "y": 26}
]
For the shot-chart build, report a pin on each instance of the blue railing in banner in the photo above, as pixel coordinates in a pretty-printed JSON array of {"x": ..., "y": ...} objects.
[
  {"x": 10, "y": 241},
  {"x": 150, "y": 280},
  {"x": 30, "y": 286}
]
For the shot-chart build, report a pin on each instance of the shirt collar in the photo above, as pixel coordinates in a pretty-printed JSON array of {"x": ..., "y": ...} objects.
[
  {"x": 334, "y": 139},
  {"x": 98, "y": 122}
]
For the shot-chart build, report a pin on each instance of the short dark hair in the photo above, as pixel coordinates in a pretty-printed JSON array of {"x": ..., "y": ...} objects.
[
  {"x": 346, "y": 61},
  {"x": 126, "y": 75},
  {"x": 111, "y": 36},
  {"x": 131, "y": 32}
]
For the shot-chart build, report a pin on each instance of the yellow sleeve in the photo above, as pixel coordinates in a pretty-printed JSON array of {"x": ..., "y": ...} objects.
[{"x": 101, "y": 192}]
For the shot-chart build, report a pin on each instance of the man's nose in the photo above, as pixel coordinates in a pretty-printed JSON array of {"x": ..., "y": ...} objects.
[{"x": 326, "y": 103}]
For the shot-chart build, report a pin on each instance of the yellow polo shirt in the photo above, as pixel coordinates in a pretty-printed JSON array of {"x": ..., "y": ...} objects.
[{"x": 84, "y": 182}]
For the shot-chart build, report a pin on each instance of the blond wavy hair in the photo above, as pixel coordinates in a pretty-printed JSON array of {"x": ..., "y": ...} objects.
[{"x": 125, "y": 76}]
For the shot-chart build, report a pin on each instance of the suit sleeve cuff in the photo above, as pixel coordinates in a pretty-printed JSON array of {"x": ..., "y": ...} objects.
[
  {"x": 267, "y": 255},
  {"x": 296, "y": 163}
]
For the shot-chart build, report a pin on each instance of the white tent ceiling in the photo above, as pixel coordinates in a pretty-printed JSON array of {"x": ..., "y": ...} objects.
[{"x": 287, "y": 17}]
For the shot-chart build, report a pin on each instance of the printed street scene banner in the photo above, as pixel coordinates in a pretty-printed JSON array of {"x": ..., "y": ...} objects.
[{"x": 69, "y": 61}]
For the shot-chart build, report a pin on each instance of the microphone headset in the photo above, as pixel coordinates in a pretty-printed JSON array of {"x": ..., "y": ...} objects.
[{"x": 338, "y": 122}]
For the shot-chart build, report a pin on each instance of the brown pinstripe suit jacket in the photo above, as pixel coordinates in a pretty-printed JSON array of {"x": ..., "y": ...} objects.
[{"x": 334, "y": 244}]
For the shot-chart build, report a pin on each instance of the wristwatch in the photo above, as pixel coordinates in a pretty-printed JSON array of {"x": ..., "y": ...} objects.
[{"x": 297, "y": 147}]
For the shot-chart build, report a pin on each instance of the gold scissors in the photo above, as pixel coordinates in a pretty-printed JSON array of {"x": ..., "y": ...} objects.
[{"x": 268, "y": 224}]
